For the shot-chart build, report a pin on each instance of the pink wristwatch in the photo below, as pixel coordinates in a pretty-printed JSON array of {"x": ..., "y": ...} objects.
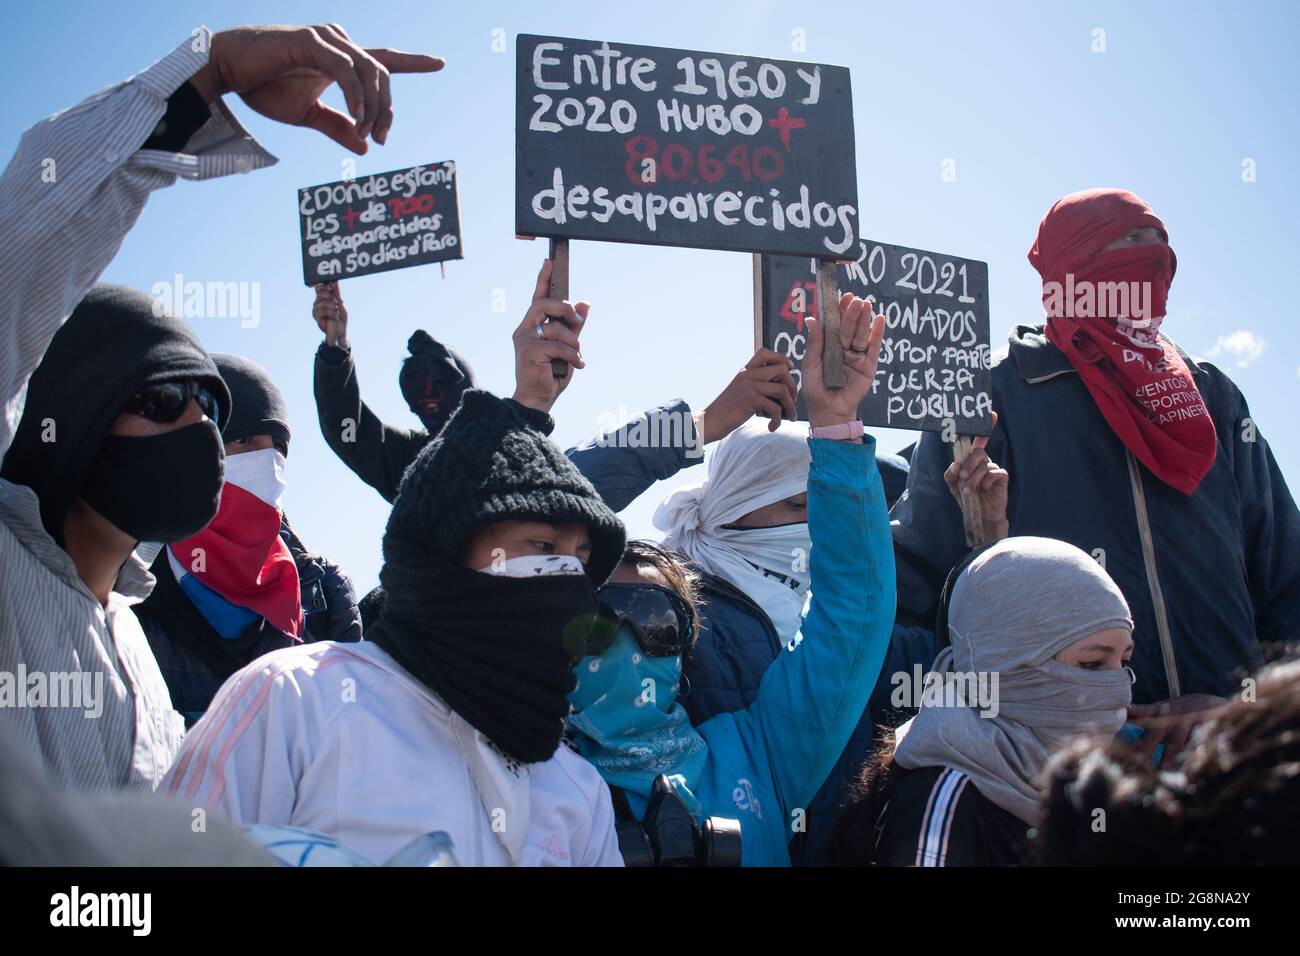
[{"x": 844, "y": 431}]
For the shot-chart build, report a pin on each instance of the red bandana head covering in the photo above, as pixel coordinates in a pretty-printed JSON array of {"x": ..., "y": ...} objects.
[{"x": 1104, "y": 311}]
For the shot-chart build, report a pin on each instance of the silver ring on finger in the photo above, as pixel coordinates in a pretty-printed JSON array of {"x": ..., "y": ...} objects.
[
  {"x": 541, "y": 331},
  {"x": 857, "y": 351}
]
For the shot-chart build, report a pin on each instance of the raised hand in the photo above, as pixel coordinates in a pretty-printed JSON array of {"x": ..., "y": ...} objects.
[
  {"x": 281, "y": 71},
  {"x": 979, "y": 475},
  {"x": 861, "y": 334},
  {"x": 763, "y": 387},
  {"x": 331, "y": 314},
  {"x": 549, "y": 330}
]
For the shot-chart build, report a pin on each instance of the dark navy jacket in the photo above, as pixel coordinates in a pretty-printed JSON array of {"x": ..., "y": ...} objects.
[
  {"x": 1209, "y": 578},
  {"x": 1225, "y": 563}
]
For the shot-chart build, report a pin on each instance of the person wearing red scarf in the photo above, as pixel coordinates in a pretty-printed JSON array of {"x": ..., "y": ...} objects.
[
  {"x": 1106, "y": 265},
  {"x": 1112, "y": 438},
  {"x": 244, "y": 585}
]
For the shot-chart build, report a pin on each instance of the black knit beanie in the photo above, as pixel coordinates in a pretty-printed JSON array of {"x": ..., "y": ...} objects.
[
  {"x": 115, "y": 343},
  {"x": 258, "y": 407},
  {"x": 493, "y": 462},
  {"x": 433, "y": 379}
]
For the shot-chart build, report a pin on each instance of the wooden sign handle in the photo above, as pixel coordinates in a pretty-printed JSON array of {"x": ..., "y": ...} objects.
[
  {"x": 559, "y": 289},
  {"x": 828, "y": 298},
  {"x": 335, "y": 334},
  {"x": 971, "y": 516}
]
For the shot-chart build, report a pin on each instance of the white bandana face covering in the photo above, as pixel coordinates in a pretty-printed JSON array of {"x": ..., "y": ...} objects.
[
  {"x": 779, "y": 552},
  {"x": 777, "y": 578},
  {"x": 749, "y": 469},
  {"x": 535, "y": 565},
  {"x": 261, "y": 472}
]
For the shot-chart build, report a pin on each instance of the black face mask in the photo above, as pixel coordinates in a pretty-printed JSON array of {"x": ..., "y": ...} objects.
[
  {"x": 432, "y": 385},
  {"x": 493, "y": 647},
  {"x": 431, "y": 420},
  {"x": 158, "y": 487}
]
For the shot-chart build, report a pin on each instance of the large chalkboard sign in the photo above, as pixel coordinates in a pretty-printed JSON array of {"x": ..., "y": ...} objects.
[
  {"x": 674, "y": 147},
  {"x": 356, "y": 227},
  {"x": 934, "y": 364}
]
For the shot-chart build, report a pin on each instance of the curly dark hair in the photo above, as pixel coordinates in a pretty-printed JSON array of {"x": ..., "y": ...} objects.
[
  {"x": 857, "y": 827},
  {"x": 1233, "y": 802}
]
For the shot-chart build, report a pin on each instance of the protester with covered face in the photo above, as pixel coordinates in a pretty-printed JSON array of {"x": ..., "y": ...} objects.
[
  {"x": 118, "y": 441},
  {"x": 624, "y": 461},
  {"x": 910, "y": 647},
  {"x": 449, "y": 716},
  {"x": 1040, "y": 643},
  {"x": 132, "y": 453},
  {"x": 759, "y": 466},
  {"x": 744, "y": 529},
  {"x": 765, "y": 763},
  {"x": 245, "y": 585},
  {"x": 433, "y": 379},
  {"x": 1119, "y": 442}
]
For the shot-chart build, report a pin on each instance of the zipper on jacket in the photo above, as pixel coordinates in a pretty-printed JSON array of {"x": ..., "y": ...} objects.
[{"x": 1153, "y": 578}]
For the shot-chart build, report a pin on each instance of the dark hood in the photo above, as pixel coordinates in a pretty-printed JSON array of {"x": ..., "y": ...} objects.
[{"x": 111, "y": 346}]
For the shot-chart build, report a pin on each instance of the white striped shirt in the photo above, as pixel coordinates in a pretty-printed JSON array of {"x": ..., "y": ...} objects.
[{"x": 75, "y": 186}]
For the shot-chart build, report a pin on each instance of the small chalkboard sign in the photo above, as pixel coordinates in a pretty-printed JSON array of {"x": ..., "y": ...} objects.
[
  {"x": 356, "y": 227},
  {"x": 644, "y": 144},
  {"x": 934, "y": 368}
]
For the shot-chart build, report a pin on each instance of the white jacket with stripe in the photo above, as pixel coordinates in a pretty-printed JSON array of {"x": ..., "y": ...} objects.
[{"x": 340, "y": 739}]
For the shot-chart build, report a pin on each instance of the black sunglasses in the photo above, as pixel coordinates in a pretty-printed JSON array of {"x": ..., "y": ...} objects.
[
  {"x": 167, "y": 401},
  {"x": 659, "y": 617}
]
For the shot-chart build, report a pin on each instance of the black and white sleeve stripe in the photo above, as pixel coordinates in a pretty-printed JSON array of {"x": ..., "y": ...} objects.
[{"x": 936, "y": 822}]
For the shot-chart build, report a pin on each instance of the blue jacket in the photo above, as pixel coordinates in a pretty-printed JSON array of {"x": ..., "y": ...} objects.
[
  {"x": 908, "y": 647},
  {"x": 767, "y": 762},
  {"x": 1209, "y": 577},
  {"x": 737, "y": 642}
]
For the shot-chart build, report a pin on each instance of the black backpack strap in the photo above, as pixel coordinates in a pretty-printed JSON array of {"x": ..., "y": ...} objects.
[
  {"x": 622, "y": 809},
  {"x": 633, "y": 841}
]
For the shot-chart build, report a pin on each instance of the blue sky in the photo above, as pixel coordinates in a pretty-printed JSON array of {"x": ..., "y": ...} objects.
[{"x": 1013, "y": 92}]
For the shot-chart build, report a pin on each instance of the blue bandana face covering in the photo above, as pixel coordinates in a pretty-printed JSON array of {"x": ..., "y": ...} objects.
[{"x": 628, "y": 722}]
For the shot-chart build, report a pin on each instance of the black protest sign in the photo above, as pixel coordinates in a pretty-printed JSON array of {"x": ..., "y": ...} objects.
[
  {"x": 674, "y": 147},
  {"x": 934, "y": 364},
  {"x": 356, "y": 227}
]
